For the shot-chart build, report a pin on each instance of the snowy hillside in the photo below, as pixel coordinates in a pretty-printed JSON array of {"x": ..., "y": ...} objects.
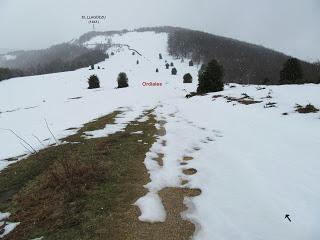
[{"x": 253, "y": 163}]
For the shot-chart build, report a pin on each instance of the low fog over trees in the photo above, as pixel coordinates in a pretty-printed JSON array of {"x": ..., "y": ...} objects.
[{"x": 58, "y": 58}]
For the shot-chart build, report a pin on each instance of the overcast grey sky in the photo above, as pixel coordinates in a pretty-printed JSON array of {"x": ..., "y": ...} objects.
[{"x": 289, "y": 26}]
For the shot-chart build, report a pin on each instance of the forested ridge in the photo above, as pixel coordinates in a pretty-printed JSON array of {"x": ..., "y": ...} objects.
[
  {"x": 243, "y": 62},
  {"x": 58, "y": 58}
]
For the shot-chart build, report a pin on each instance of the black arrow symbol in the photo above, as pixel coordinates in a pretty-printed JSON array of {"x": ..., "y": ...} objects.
[{"x": 288, "y": 217}]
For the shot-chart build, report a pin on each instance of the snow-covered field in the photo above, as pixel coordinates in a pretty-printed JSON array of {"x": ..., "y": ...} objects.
[{"x": 254, "y": 164}]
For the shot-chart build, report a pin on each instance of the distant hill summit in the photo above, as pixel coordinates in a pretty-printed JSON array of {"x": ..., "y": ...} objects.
[{"x": 243, "y": 62}]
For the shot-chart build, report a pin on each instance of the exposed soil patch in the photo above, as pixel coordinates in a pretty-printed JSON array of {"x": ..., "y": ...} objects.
[
  {"x": 248, "y": 101},
  {"x": 306, "y": 109},
  {"x": 260, "y": 88},
  {"x": 159, "y": 159},
  {"x": 217, "y": 96},
  {"x": 162, "y": 131},
  {"x": 267, "y": 97},
  {"x": 13, "y": 110},
  {"x": 13, "y": 159},
  {"x": 196, "y": 148},
  {"x": 245, "y": 99},
  {"x": 164, "y": 143},
  {"x": 75, "y": 98},
  {"x": 190, "y": 171},
  {"x": 270, "y": 105},
  {"x": 187, "y": 158},
  {"x": 27, "y": 108},
  {"x": 184, "y": 182},
  {"x": 210, "y": 139},
  {"x": 72, "y": 128},
  {"x": 192, "y": 192}
]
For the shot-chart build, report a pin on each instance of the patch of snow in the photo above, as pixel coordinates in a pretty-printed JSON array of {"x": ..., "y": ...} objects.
[
  {"x": 138, "y": 132},
  {"x": 4, "y": 216},
  {"x": 121, "y": 122},
  {"x": 182, "y": 139},
  {"x": 143, "y": 119},
  {"x": 9, "y": 227},
  {"x": 151, "y": 208}
]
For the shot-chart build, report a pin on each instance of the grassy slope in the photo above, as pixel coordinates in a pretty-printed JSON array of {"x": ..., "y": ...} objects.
[{"x": 92, "y": 202}]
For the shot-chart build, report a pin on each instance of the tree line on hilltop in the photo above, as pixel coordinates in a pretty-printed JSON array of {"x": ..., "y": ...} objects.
[{"x": 243, "y": 62}]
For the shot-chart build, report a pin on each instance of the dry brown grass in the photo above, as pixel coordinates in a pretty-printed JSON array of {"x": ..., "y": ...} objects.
[
  {"x": 309, "y": 108},
  {"x": 75, "y": 177},
  {"x": 86, "y": 191},
  {"x": 244, "y": 99}
]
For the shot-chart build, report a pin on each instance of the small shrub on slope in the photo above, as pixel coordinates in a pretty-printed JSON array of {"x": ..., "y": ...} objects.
[
  {"x": 122, "y": 80},
  {"x": 93, "y": 82},
  {"x": 187, "y": 78},
  {"x": 174, "y": 71}
]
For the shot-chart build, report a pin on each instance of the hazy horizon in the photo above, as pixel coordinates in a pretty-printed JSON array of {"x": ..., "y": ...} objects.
[{"x": 288, "y": 26}]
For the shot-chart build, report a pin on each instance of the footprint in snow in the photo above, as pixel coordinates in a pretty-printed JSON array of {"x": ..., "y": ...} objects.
[{"x": 189, "y": 171}]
